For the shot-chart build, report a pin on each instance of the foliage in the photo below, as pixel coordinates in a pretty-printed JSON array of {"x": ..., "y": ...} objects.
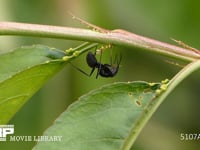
[{"x": 179, "y": 114}]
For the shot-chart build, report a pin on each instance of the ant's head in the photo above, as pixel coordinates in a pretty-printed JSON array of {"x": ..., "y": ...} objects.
[{"x": 91, "y": 60}]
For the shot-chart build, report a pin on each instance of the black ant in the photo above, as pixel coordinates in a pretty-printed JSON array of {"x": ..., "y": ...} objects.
[{"x": 104, "y": 70}]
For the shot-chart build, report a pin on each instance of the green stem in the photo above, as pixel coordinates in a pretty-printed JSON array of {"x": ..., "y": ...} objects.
[
  {"x": 153, "y": 106},
  {"x": 116, "y": 37}
]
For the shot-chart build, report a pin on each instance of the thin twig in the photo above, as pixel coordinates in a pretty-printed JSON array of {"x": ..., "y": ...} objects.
[{"x": 115, "y": 37}]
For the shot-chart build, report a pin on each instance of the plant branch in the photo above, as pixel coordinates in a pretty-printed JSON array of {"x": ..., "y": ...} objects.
[
  {"x": 116, "y": 37},
  {"x": 155, "y": 103}
]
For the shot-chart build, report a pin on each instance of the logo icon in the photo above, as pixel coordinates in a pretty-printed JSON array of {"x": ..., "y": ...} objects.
[{"x": 6, "y": 130}]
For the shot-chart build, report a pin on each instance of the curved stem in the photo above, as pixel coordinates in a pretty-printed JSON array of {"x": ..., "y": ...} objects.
[
  {"x": 155, "y": 103},
  {"x": 116, "y": 37}
]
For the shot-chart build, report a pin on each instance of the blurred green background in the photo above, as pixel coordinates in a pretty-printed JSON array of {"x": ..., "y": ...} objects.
[{"x": 156, "y": 19}]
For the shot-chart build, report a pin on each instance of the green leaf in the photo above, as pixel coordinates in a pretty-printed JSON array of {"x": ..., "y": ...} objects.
[
  {"x": 112, "y": 117},
  {"x": 104, "y": 119},
  {"x": 22, "y": 72}
]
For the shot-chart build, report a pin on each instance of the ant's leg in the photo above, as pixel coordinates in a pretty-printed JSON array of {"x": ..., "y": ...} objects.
[
  {"x": 83, "y": 71},
  {"x": 92, "y": 71},
  {"x": 98, "y": 72},
  {"x": 99, "y": 67},
  {"x": 111, "y": 62},
  {"x": 119, "y": 60},
  {"x": 115, "y": 59},
  {"x": 95, "y": 51}
]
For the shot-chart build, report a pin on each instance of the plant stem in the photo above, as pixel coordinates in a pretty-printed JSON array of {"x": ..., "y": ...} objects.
[
  {"x": 155, "y": 103},
  {"x": 115, "y": 37}
]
